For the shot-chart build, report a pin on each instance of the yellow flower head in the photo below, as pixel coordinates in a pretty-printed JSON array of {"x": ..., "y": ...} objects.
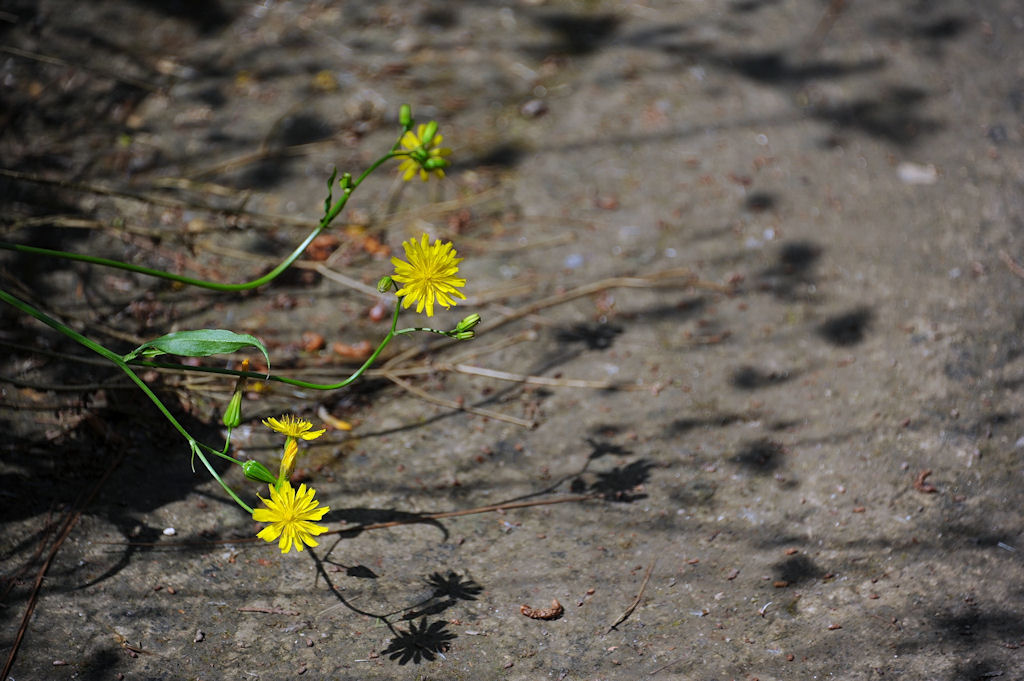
[
  {"x": 291, "y": 515},
  {"x": 429, "y": 275},
  {"x": 423, "y": 153},
  {"x": 293, "y": 427}
]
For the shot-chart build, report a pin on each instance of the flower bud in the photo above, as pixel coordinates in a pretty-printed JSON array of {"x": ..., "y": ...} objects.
[
  {"x": 254, "y": 470},
  {"x": 468, "y": 323},
  {"x": 405, "y": 116},
  {"x": 435, "y": 163},
  {"x": 384, "y": 285},
  {"x": 429, "y": 130},
  {"x": 233, "y": 412},
  {"x": 462, "y": 335}
]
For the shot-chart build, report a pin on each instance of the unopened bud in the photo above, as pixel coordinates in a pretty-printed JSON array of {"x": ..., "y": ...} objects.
[
  {"x": 468, "y": 323},
  {"x": 435, "y": 163},
  {"x": 405, "y": 116},
  {"x": 254, "y": 470},
  {"x": 384, "y": 285},
  {"x": 233, "y": 412},
  {"x": 429, "y": 130},
  {"x": 462, "y": 335}
]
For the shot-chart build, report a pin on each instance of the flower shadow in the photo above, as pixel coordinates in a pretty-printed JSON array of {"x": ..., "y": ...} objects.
[
  {"x": 454, "y": 586},
  {"x": 420, "y": 642},
  {"x": 623, "y": 483},
  {"x": 423, "y": 640}
]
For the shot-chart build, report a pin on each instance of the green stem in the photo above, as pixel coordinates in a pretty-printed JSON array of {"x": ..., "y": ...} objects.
[
  {"x": 195, "y": 450},
  {"x": 424, "y": 329},
  {"x": 120, "y": 363},
  {"x": 282, "y": 379},
  {"x": 328, "y": 217}
]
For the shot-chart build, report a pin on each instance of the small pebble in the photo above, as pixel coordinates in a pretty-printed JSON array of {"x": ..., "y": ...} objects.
[
  {"x": 534, "y": 108},
  {"x": 170, "y": 531},
  {"x": 917, "y": 173}
]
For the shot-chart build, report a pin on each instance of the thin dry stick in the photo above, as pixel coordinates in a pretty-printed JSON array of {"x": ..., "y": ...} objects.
[
  {"x": 519, "y": 247},
  {"x": 154, "y": 200},
  {"x": 825, "y": 24},
  {"x": 12, "y": 579},
  {"x": 666, "y": 278},
  {"x": 636, "y": 601},
  {"x": 437, "y": 208},
  {"x": 116, "y": 384},
  {"x": 478, "y": 348},
  {"x": 539, "y": 380},
  {"x": 666, "y": 666},
  {"x": 340, "y": 278},
  {"x": 452, "y": 404},
  {"x": 260, "y": 155},
  {"x": 269, "y": 611},
  {"x": 1011, "y": 264},
  {"x": 70, "y": 520},
  {"x": 186, "y": 184},
  {"x": 508, "y": 506},
  {"x": 468, "y": 511},
  {"x": 57, "y": 61},
  {"x": 509, "y": 289},
  {"x": 689, "y": 278},
  {"x": 323, "y": 269},
  {"x": 54, "y": 221}
]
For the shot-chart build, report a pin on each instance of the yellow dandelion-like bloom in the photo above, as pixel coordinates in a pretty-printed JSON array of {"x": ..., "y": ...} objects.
[
  {"x": 429, "y": 276},
  {"x": 291, "y": 515},
  {"x": 293, "y": 427},
  {"x": 424, "y": 158}
]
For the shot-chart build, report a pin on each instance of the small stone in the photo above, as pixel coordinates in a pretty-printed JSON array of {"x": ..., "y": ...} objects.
[
  {"x": 534, "y": 108},
  {"x": 917, "y": 173}
]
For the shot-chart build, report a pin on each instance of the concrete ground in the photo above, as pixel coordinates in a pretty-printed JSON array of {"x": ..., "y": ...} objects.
[{"x": 747, "y": 392}]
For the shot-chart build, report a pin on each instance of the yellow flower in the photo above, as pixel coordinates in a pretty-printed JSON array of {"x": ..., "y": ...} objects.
[
  {"x": 291, "y": 515},
  {"x": 429, "y": 275},
  {"x": 293, "y": 427},
  {"x": 423, "y": 153}
]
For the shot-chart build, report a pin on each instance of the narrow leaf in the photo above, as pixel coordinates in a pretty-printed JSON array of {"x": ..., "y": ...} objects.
[
  {"x": 330, "y": 192},
  {"x": 198, "y": 343}
]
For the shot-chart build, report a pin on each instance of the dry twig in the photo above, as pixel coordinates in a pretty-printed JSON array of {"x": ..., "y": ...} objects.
[
  {"x": 452, "y": 404},
  {"x": 70, "y": 520},
  {"x": 269, "y": 611},
  {"x": 509, "y": 506},
  {"x": 636, "y": 601},
  {"x": 1011, "y": 264}
]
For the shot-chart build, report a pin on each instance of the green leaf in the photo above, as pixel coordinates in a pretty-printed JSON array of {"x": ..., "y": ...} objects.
[
  {"x": 330, "y": 192},
  {"x": 198, "y": 343}
]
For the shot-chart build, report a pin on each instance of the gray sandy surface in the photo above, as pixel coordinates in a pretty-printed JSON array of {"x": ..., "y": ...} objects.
[{"x": 781, "y": 440}]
